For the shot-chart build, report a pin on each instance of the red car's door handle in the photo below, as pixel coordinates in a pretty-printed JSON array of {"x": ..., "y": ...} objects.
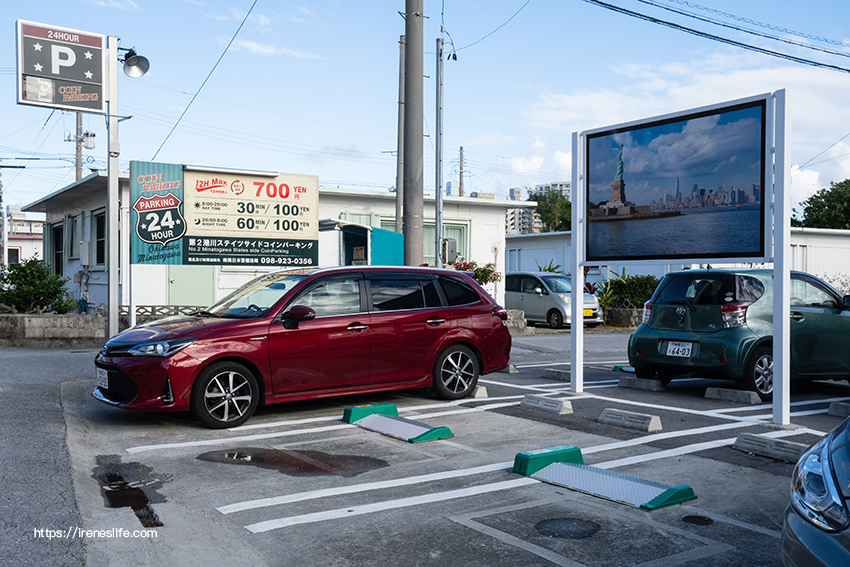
[
  {"x": 357, "y": 327},
  {"x": 435, "y": 321}
]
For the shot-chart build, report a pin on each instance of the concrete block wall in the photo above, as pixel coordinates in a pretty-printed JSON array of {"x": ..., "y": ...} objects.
[{"x": 52, "y": 331}]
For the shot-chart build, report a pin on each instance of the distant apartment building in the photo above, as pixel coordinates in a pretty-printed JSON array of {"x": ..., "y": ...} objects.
[
  {"x": 24, "y": 235},
  {"x": 521, "y": 221},
  {"x": 564, "y": 187}
]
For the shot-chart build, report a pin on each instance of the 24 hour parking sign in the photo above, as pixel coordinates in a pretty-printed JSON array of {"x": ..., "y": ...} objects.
[{"x": 61, "y": 68}]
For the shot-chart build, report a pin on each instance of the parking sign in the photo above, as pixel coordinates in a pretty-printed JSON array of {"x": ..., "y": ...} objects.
[{"x": 61, "y": 68}]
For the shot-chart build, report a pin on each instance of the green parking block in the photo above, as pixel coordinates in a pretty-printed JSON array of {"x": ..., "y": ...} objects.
[
  {"x": 670, "y": 497},
  {"x": 432, "y": 435},
  {"x": 530, "y": 462},
  {"x": 356, "y": 413}
]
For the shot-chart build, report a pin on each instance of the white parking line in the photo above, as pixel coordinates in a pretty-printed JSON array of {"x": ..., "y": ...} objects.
[
  {"x": 346, "y": 512},
  {"x": 586, "y": 362},
  {"x": 388, "y": 505},
  {"x": 770, "y": 406},
  {"x": 272, "y": 435},
  {"x": 239, "y": 439},
  {"x": 352, "y": 489}
]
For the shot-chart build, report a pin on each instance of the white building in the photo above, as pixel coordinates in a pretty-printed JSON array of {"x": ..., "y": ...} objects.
[
  {"x": 23, "y": 235},
  {"x": 75, "y": 242},
  {"x": 822, "y": 252}
]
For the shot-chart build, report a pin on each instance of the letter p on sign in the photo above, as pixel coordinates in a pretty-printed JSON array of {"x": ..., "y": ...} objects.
[{"x": 56, "y": 59}]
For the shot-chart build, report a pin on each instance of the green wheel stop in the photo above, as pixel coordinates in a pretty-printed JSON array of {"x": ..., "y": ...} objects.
[
  {"x": 670, "y": 497},
  {"x": 356, "y": 413},
  {"x": 530, "y": 462}
]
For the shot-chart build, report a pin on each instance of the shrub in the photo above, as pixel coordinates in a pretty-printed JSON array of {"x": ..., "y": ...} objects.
[
  {"x": 482, "y": 274},
  {"x": 30, "y": 285},
  {"x": 636, "y": 289},
  {"x": 550, "y": 267}
]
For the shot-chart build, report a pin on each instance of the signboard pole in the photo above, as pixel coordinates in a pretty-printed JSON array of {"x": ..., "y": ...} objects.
[
  {"x": 781, "y": 261},
  {"x": 577, "y": 243},
  {"x": 112, "y": 186}
]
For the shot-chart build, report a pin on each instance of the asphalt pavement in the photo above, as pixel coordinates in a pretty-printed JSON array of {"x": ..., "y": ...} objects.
[{"x": 297, "y": 485}]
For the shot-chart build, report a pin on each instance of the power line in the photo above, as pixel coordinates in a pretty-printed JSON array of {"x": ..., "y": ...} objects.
[
  {"x": 716, "y": 38},
  {"x": 744, "y": 30},
  {"x": 760, "y": 24},
  {"x": 497, "y": 29},
  {"x": 232, "y": 39},
  {"x": 799, "y": 167}
]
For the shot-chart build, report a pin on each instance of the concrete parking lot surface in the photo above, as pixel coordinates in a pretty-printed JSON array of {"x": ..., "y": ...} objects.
[{"x": 298, "y": 485}]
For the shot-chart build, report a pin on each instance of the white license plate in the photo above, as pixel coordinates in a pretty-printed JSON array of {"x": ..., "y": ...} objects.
[
  {"x": 102, "y": 378},
  {"x": 675, "y": 348}
]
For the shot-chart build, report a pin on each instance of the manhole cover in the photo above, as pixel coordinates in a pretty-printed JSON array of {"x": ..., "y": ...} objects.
[
  {"x": 698, "y": 520},
  {"x": 569, "y": 528}
]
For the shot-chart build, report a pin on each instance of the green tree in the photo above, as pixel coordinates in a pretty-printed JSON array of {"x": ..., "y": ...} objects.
[
  {"x": 555, "y": 210},
  {"x": 828, "y": 208},
  {"x": 30, "y": 285}
]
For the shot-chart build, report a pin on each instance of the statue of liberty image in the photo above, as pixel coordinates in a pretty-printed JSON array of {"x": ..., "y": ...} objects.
[
  {"x": 618, "y": 207},
  {"x": 618, "y": 187}
]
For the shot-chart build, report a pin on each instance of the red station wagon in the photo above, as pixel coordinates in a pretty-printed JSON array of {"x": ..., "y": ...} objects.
[{"x": 291, "y": 335}]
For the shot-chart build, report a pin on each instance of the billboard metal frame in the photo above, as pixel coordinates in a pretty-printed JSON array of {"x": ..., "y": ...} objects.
[
  {"x": 776, "y": 236},
  {"x": 763, "y": 255}
]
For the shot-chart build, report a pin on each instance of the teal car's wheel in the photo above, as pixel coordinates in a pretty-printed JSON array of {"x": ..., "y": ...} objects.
[{"x": 759, "y": 373}]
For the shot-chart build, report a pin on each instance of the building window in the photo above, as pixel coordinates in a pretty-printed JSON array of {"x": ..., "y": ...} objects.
[
  {"x": 58, "y": 249},
  {"x": 14, "y": 256},
  {"x": 73, "y": 245},
  {"x": 100, "y": 239},
  {"x": 457, "y": 231}
]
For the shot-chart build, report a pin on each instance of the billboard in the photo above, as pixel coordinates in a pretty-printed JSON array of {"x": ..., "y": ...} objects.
[
  {"x": 204, "y": 216},
  {"x": 61, "y": 68},
  {"x": 686, "y": 186}
]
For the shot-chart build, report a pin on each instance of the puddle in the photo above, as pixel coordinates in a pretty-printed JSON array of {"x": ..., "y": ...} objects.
[
  {"x": 568, "y": 528},
  {"x": 130, "y": 485},
  {"x": 698, "y": 520},
  {"x": 296, "y": 463}
]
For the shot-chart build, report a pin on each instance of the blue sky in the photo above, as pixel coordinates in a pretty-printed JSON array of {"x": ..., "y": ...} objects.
[{"x": 311, "y": 88}]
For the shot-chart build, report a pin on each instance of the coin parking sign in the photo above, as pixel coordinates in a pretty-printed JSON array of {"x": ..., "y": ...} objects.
[{"x": 61, "y": 68}]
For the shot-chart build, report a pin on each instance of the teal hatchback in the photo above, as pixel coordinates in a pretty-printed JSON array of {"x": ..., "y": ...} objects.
[{"x": 719, "y": 324}]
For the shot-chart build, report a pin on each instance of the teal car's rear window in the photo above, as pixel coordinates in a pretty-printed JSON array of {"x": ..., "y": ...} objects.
[{"x": 709, "y": 289}]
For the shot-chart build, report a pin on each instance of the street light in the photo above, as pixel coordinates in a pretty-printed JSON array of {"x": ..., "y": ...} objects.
[{"x": 134, "y": 66}]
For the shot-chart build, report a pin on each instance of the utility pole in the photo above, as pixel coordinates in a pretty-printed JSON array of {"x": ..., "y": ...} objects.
[
  {"x": 413, "y": 119},
  {"x": 79, "y": 142},
  {"x": 399, "y": 175},
  {"x": 460, "y": 187},
  {"x": 438, "y": 178}
]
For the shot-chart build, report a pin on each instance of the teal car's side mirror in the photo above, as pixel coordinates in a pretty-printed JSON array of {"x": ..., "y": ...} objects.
[{"x": 847, "y": 302}]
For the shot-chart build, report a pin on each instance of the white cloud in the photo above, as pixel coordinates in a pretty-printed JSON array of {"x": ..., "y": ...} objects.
[
  {"x": 492, "y": 138},
  {"x": 818, "y": 109},
  {"x": 529, "y": 164},
  {"x": 267, "y": 50},
  {"x": 125, "y": 5},
  {"x": 564, "y": 163}
]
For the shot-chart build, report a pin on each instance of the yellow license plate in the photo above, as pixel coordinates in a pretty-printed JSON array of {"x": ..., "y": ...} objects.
[{"x": 588, "y": 312}]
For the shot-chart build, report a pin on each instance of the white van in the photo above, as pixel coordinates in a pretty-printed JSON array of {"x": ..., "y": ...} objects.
[{"x": 545, "y": 298}]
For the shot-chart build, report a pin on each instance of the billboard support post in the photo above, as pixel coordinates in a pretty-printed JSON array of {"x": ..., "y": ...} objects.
[
  {"x": 781, "y": 257},
  {"x": 576, "y": 265},
  {"x": 112, "y": 186}
]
